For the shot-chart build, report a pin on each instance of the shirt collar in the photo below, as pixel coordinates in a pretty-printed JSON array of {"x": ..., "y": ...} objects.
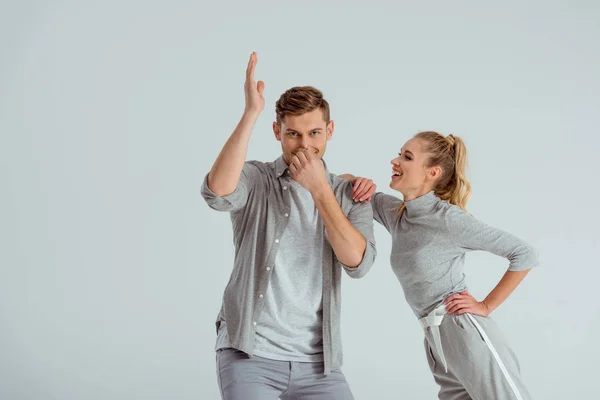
[{"x": 421, "y": 205}]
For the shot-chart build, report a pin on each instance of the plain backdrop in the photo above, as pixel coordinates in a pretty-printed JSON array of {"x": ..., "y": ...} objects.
[{"x": 112, "y": 266}]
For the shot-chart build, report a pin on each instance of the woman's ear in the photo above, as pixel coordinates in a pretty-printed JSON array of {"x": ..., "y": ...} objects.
[{"x": 434, "y": 172}]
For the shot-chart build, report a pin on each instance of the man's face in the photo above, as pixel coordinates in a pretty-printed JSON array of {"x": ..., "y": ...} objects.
[{"x": 308, "y": 131}]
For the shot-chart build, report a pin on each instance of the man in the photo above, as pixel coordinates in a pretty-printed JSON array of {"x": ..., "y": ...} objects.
[{"x": 295, "y": 227}]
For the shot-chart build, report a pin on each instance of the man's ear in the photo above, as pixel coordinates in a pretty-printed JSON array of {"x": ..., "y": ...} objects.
[
  {"x": 330, "y": 127},
  {"x": 277, "y": 130}
]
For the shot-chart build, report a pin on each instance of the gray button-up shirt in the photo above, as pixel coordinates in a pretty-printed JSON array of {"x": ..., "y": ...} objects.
[{"x": 259, "y": 209}]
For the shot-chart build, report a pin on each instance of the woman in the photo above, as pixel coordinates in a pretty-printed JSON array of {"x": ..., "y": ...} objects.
[{"x": 431, "y": 232}]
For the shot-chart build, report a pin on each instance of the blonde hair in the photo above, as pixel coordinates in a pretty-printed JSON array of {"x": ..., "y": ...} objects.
[{"x": 450, "y": 154}]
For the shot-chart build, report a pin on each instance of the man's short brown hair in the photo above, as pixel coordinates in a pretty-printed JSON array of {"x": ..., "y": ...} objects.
[{"x": 300, "y": 100}]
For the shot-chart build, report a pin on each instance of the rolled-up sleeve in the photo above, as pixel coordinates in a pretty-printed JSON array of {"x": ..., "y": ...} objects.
[
  {"x": 239, "y": 197},
  {"x": 361, "y": 217}
]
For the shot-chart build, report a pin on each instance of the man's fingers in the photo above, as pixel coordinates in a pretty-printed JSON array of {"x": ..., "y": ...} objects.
[
  {"x": 295, "y": 161},
  {"x": 310, "y": 154},
  {"x": 253, "y": 65},
  {"x": 302, "y": 156},
  {"x": 293, "y": 168},
  {"x": 260, "y": 87},
  {"x": 249, "y": 67}
]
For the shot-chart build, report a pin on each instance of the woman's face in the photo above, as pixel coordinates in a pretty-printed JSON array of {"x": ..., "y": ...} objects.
[{"x": 409, "y": 171}]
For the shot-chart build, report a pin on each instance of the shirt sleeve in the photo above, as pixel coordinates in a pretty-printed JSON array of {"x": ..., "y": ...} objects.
[
  {"x": 385, "y": 209},
  {"x": 236, "y": 200},
  {"x": 469, "y": 233},
  {"x": 361, "y": 217}
]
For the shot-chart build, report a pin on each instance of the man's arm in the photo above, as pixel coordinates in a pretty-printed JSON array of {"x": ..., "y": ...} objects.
[
  {"x": 348, "y": 243},
  {"x": 225, "y": 173}
]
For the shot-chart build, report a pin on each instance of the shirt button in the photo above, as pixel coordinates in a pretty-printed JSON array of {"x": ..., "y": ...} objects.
[
  {"x": 285, "y": 188},
  {"x": 286, "y": 214},
  {"x": 276, "y": 240},
  {"x": 254, "y": 323},
  {"x": 268, "y": 268},
  {"x": 260, "y": 295}
]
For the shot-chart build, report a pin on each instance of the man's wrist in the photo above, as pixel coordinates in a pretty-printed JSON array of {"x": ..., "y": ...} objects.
[
  {"x": 251, "y": 114},
  {"x": 321, "y": 191}
]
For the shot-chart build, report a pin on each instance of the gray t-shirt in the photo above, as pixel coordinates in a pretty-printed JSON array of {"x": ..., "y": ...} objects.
[
  {"x": 259, "y": 211},
  {"x": 429, "y": 243},
  {"x": 290, "y": 325}
]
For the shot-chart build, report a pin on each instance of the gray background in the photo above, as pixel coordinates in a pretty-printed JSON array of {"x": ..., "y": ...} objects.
[{"x": 112, "y": 267}]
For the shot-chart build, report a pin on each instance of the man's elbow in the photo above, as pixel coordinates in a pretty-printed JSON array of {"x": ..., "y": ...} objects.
[
  {"x": 221, "y": 190},
  {"x": 358, "y": 271},
  {"x": 352, "y": 262},
  {"x": 355, "y": 258}
]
